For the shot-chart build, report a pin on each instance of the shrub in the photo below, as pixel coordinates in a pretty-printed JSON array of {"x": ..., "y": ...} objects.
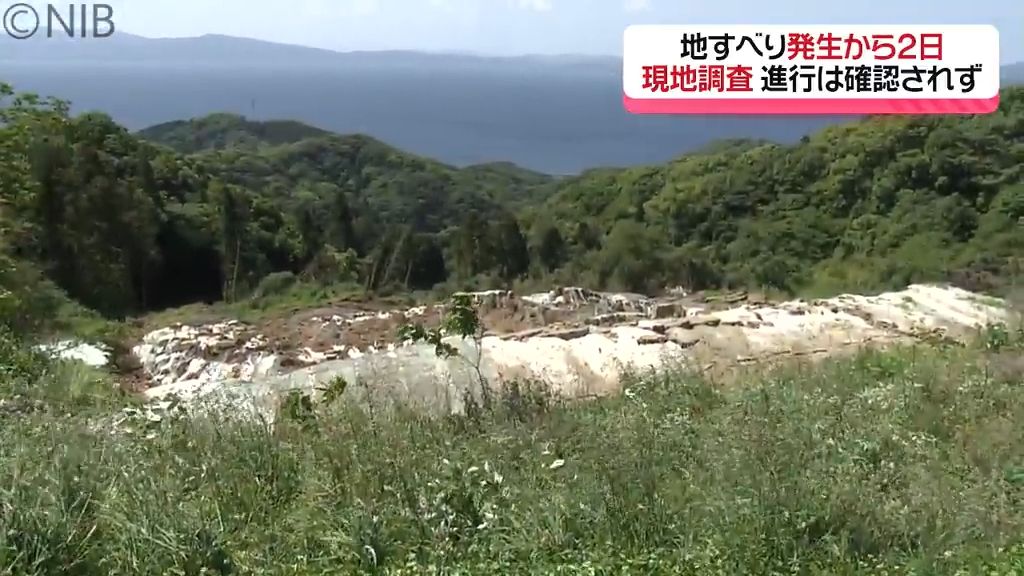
[{"x": 274, "y": 284}]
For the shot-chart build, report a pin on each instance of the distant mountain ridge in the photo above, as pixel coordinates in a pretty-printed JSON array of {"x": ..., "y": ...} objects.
[
  {"x": 553, "y": 114},
  {"x": 219, "y": 49},
  {"x": 1012, "y": 74}
]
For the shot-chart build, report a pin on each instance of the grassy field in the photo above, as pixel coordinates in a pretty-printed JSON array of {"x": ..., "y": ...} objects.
[{"x": 909, "y": 461}]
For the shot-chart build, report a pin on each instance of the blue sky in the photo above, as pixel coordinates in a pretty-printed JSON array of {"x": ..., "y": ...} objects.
[{"x": 529, "y": 26}]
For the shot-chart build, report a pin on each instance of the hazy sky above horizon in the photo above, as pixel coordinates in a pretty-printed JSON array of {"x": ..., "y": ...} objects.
[{"x": 509, "y": 27}]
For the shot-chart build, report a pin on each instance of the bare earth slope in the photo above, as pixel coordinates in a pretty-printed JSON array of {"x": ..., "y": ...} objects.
[{"x": 576, "y": 341}]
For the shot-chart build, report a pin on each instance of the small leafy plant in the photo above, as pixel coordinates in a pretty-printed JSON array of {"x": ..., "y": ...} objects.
[{"x": 460, "y": 319}]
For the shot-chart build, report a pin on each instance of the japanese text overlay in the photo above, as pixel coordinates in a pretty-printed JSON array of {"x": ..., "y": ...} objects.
[{"x": 799, "y": 69}]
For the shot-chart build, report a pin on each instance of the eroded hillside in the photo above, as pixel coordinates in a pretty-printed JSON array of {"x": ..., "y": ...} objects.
[{"x": 577, "y": 342}]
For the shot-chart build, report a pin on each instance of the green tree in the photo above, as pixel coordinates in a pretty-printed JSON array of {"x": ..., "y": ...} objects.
[
  {"x": 233, "y": 223},
  {"x": 510, "y": 250},
  {"x": 472, "y": 250},
  {"x": 550, "y": 246},
  {"x": 633, "y": 257},
  {"x": 340, "y": 228},
  {"x": 312, "y": 232},
  {"x": 24, "y": 305},
  {"x": 428, "y": 266}
]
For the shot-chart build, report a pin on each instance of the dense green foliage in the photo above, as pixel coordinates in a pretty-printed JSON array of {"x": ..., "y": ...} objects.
[
  {"x": 221, "y": 131},
  {"x": 872, "y": 204},
  {"x": 126, "y": 225},
  {"x": 905, "y": 462},
  {"x": 27, "y": 298}
]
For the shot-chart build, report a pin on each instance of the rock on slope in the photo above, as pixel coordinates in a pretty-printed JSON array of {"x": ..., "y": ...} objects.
[{"x": 580, "y": 355}]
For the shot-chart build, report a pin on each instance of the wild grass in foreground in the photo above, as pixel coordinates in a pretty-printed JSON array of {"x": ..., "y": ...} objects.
[{"x": 902, "y": 462}]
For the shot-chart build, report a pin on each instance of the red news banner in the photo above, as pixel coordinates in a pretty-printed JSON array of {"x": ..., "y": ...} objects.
[{"x": 947, "y": 69}]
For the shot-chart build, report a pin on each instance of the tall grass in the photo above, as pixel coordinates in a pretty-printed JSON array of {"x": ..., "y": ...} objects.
[{"x": 902, "y": 462}]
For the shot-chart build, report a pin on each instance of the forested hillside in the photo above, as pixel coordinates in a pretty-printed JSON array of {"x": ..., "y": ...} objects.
[
  {"x": 877, "y": 203},
  {"x": 206, "y": 210},
  {"x": 219, "y": 131}
]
